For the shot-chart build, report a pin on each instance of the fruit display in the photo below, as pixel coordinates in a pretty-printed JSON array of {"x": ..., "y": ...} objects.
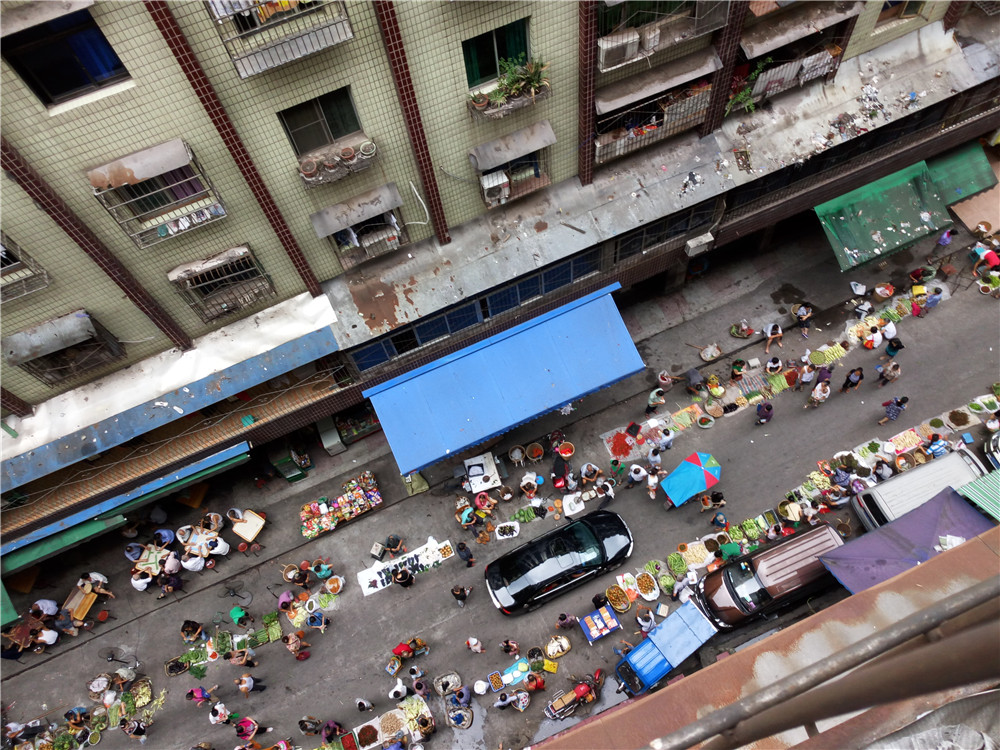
[
  {"x": 647, "y": 586},
  {"x": 523, "y": 515},
  {"x": 695, "y": 554},
  {"x": 508, "y": 530},
  {"x": 819, "y": 480}
]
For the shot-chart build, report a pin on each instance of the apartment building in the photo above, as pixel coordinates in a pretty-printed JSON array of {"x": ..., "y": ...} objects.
[{"x": 225, "y": 220}]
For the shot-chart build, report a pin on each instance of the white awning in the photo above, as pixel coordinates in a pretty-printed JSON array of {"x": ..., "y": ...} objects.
[
  {"x": 141, "y": 165},
  {"x": 519, "y": 143},
  {"x": 48, "y": 337},
  {"x": 799, "y": 21},
  {"x": 195, "y": 268},
  {"x": 359, "y": 208},
  {"x": 652, "y": 82}
]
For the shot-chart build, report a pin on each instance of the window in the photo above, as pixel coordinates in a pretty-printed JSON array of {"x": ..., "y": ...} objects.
[
  {"x": 166, "y": 193},
  {"x": 484, "y": 52},
  {"x": 63, "y": 58},
  {"x": 612, "y": 18},
  {"x": 62, "y": 348},
  {"x": 19, "y": 273},
  {"x": 222, "y": 284},
  {"x": 321, "y": 121},
  {"x": 900, "y": 9}
]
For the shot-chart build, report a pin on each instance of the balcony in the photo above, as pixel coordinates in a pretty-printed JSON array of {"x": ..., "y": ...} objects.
[
  {"x": 679, "y": 111},
  {"x": 260, "y": 36},
  {"x": 342, "y": 158}
]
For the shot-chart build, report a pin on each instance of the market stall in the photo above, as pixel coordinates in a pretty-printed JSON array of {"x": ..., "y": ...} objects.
[
  {"x": 419, "y": 560},
  {"x": 361, "y": 494},
  {"x": 398, "y": 724}
]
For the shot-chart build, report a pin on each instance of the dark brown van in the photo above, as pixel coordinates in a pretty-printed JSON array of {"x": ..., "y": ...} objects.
[{"x": 769, "y": 578}]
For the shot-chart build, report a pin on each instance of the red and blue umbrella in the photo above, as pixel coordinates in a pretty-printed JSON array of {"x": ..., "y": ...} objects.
[{"x": 696, "y": 473}]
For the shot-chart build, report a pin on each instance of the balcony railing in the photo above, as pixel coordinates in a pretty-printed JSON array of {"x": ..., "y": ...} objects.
[
  {"x": 260, "y": 35},
  {"x": 332, "y": 163},
  {"x": 680, "y": 111}
]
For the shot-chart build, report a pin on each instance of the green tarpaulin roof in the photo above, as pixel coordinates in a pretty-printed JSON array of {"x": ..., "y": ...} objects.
[
  {"x": 962, "y": 173},
  {"x": 985, "y": 492},
  {"x": 884, "y": 216}
]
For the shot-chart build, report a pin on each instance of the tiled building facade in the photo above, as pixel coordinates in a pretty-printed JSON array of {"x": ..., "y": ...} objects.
[{"x": 198, "y": 189}]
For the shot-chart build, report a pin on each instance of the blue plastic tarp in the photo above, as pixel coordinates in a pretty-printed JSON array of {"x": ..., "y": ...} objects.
[
  {"x": 904, "y": 543},
  {"x": 491, "y": 387}
]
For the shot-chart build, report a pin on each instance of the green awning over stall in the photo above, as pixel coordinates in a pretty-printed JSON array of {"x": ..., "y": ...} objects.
[
  {"x": 985, "y": 493},
  {"x": 961, "y": 173},
  {"x": 883, "y": 216}
]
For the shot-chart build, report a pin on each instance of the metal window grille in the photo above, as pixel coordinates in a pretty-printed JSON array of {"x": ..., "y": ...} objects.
[
  {"x": 380, "y": 235},
  {"x": 633, "y": 31},
  {"x": 629, "y": 130},
  {"x": 658, "y": 233},
  {"x": 20, "y": 274},
  {"x": 525, "y": 175},
  {"x": 159, "y": 208},
  {"x": 223, "y": 289},
  {"x": 65, "y": 364},
  {"x": 259, "y": 36}
]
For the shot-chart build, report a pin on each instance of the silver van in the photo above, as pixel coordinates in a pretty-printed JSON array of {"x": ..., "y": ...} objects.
[{"x": 889, "y": 500}]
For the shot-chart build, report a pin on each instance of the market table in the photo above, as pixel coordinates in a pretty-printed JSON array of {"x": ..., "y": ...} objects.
[
  {"x": 150, "y": 558},
  {"x": 599, "y": 623},
  {"x": 419, "y": 560},
  {"x": 249, "y": 526},
  {"x": 482, "y": 473},
  {"x": 20, "y": 634}
]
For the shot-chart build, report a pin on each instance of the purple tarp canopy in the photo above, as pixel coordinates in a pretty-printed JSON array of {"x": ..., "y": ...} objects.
[{"x": 904, "y": 543}]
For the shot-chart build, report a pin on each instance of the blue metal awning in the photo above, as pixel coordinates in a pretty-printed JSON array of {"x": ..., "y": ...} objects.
[{"x": 491, "y": 387}]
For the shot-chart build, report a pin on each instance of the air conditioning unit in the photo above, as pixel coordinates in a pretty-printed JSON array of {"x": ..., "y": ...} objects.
[
  {"x": 496, "y": 188},
  {"x": 379, "y": 242},
  {"x": 615, "y": 49}
]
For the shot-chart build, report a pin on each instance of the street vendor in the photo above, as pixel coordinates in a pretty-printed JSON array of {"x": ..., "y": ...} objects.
[
  {"x": 426, "y": 727},
  {"x": 394, "y": 544},
  {"x": 695, "y": 382},
  {"x": 736, "y": 370},
  {"x": 562, "y": 478},
  {"x": 465, "y": 515},
  {"x": 529, "y": 485},
  {"x": 589, "y": 472},
  {"x": 485, "y": 503}
]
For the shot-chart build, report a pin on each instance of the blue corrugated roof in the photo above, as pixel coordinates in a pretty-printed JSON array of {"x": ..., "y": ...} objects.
[{"x": 491, "y": 387}]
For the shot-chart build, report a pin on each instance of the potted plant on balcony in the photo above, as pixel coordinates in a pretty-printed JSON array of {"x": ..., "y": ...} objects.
[
  {"x": 533, "y": 78},
  {"x": 479, "y": 100},
  {"x": 498, "y": 97}
]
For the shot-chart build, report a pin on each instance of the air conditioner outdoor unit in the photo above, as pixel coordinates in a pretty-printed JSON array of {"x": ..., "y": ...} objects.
[
  {"x": 380, "y": 242},
  {"x": 496, "y": 188},
  {"x": 615, "y": 49},
  {"x": 650, "y": 36}
]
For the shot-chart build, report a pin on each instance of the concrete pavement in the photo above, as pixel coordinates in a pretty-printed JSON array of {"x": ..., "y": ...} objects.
[{"x": 941, "y": 370}]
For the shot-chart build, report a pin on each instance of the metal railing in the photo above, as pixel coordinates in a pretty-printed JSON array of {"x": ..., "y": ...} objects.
[{"x": 261, "y": 35}]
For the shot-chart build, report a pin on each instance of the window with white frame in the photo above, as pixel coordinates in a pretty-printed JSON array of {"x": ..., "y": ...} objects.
[
  {"x": 222, "y": 284},
  {"x": 64, "y": 57},
  {"x": 20, "y": 274},
  {"x": 157, "y": 193}
]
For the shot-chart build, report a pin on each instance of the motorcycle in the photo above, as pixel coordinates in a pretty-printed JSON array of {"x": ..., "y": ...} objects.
[{"x": 587, "y": 690}]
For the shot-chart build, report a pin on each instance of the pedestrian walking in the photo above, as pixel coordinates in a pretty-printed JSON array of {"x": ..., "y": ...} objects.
[
  {"x": 330, "y": 730},
  {"x": 664, "y": 440},
  {"x": 774, "y": 334},
  {"x": 945, "y": 239},
  {"x": 134, "y": 729},
  {"x": 466, "y": 554},
  {"x": 889, "y": 330},
  {"x": 474, "y": 645},
  {"x": 933, "y": 300},
  {"x": 819, "y": 394},
  {"x": 889, "y": 373},
  {"x": 892, "y": 348},
  {"x": 247, "y": 684},
  {"x": 853, "y": 380},
  {"x": 510, "y": 648},
  {"x": 294, "y": 643},
  {"x": 636, "y": 474},
  {"x": 765, "y": 412},
  {"x": 364, "y": 705},
  {"x": 804, "y": 315},
  {"x": 654, "y": 399},
  {"x": 200, "y": 695},
  {"x": 461, "y": 593},
  {"x": 241, "y": 657},
  {"x": 653, "y": 481},
  {"x": 654, "y": 460},
  {"x": 403, "y": 577},
  {"x": 247, "y": 728},
  {"x": 566, "y": 622},
  {"x": 617, "y": 468},
  {"x": 893, "y": 408},
  {"x": 825, "y": 373},
  {"x": 220, "y": 714},
  {"x": 807, "y": 373},
  {"x": 400, "y": 690}
]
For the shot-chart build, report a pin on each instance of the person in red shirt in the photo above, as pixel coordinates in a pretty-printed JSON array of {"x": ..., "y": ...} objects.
[{"x": 990, "y": 258}]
